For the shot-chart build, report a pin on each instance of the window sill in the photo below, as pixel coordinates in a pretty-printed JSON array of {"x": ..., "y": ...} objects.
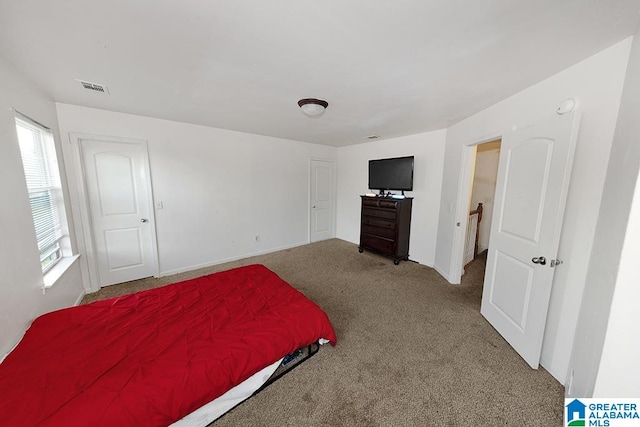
[{"x": 58, "y": 270}]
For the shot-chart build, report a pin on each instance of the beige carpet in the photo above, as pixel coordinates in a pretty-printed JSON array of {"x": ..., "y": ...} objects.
[{"x": 412, "y": 349}]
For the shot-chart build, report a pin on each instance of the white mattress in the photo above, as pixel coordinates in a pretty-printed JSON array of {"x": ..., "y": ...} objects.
[
  {"x": 213, "y": 410},
  {"x": 217, "y": 407}
]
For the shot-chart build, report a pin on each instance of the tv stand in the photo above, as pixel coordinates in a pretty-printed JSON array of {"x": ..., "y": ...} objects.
[{"x": 385, "y": 226}]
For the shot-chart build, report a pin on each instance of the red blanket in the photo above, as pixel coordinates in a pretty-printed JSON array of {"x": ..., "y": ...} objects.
[{"x": 150, "y": 358}]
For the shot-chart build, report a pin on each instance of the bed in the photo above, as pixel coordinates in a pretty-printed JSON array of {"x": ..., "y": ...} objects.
[{"x": 154, "y": 357}]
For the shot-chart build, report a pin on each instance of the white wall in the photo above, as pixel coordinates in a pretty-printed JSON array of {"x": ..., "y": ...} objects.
[
  {"x": 353, "y": 164},
  {"x": 606, "y": 350},
  {"x": 219, "y": 188},
  {"x": 21, "y": 296},
  {"x": 596, "y": 83},
  {"x": 483, "y": 191},
  {"x": 621, "y": 347}
]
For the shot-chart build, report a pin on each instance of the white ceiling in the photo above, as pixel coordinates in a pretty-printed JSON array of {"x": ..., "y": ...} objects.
[{"x": 388, "y": 68}]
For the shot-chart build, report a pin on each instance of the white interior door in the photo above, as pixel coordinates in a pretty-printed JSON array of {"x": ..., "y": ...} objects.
[
  {"x": 533, "y": 178},
  {"x": 322, "y": 200},
  {"x": 117, "y": 183}
]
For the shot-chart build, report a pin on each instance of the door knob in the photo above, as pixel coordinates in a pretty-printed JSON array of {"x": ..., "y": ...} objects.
[
  {"x": 539, "y": 260},
  {"x": 144, "y": 220}
]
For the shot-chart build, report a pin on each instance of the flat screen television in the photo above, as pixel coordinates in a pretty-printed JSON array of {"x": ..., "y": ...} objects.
[{"x": 391, "y": 174}]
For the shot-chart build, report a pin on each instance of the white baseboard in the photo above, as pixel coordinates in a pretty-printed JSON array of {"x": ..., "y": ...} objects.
[
  {"x": 444, "y": 274},
  {"x": 546, "y": 363},
  {"x": 223, "y": 260},
  {"x": 79, "y": 299}
]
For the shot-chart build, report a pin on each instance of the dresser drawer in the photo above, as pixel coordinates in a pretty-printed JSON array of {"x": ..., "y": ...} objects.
[
  {"x": 378, "y": 222},
  {"x": 385, "y": 225},
  {"x": 380, "y": 202},
  {"x": 388, "y": 204},
  {"x": 388, "y": 233},
  {"x": 379, "y": 213},
  {"x": 377, "y": 243}
]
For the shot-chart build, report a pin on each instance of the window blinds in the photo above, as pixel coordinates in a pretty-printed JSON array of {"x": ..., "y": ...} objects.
[{"x": 43, "y": 184}]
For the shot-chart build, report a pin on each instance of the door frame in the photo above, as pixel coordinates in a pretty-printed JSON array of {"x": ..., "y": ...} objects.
[
  {"x": 81, "y": 210},
  {"x": 465, "y": 187},
  {"x": 463, "y": 201},
  {"x": 334, "y": 188}
]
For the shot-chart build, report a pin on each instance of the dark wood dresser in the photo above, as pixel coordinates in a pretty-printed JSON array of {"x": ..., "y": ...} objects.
[{"x": 385, "y": 225}]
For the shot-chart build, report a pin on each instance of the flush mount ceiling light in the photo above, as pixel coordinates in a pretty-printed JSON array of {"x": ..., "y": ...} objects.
[{"x": 313, "y": 107}]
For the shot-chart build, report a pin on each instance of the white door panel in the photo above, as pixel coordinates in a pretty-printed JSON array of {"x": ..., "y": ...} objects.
[
  {"x": 322, "y": 221},
  {"x": 322, "y": 200},
  {"x": 511, "y": 292},
  {"x": 116, "y": 186},
  {"x": 124, "y": 248},
  {"x": 533, "y": 179},
  {"x": 116, "y": 177},
  {"x": 527, "y": 167}
]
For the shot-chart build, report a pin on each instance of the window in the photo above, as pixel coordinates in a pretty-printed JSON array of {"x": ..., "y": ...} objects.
[{"x": 38, "y": 152}]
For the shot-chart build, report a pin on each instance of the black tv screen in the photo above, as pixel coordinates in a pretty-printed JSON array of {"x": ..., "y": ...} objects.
[{"x": 391, "y": 174}]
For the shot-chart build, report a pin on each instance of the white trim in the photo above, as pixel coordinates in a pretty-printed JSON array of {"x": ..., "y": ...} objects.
[
  {"x": 465, "y": 186},
  {"x": 84, "y": 227},
  {"x": 79, "y": 299},
  {"x": 33, "y": 122},
  {"x": 57, "y": 271},
  {"x": 442, "y": 273},
  {"x": 234, "y": 258},
  {"x": 462, "y": 211}
]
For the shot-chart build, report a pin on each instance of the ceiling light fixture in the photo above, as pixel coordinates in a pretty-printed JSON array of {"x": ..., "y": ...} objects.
[{"x": 313, "y": 107}]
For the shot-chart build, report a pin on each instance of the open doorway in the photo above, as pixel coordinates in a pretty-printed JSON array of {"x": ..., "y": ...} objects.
[
  {"x": 481, "y": 202},
  {"x": 534, "y": 172}
]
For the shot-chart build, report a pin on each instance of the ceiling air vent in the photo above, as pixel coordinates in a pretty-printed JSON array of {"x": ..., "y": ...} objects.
[{"x": 96, "y": 87}]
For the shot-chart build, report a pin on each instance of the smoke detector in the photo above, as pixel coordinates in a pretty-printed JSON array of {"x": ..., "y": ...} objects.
[{"x": 96, "y": 87}]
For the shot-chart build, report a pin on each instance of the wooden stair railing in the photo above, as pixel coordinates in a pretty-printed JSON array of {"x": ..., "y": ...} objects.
[{"x": 473, "y": 231}]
